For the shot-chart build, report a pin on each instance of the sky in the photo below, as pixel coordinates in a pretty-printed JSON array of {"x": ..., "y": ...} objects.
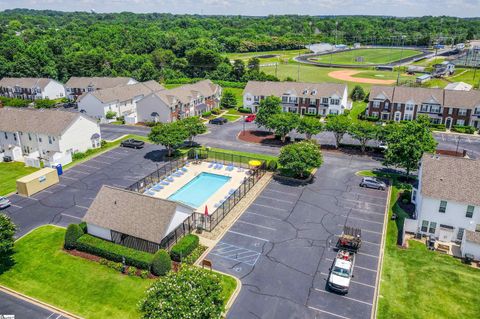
[{"x": 459, "y": 8}]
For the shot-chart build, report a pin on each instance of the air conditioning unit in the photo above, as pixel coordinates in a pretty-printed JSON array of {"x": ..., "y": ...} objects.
[{"x": 7, "y": 158}]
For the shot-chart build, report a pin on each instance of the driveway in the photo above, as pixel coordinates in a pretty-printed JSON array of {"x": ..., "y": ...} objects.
[
  {"x": 68, "y": 201},
  {"x": 21, "y": 309},
  {"x": 281, "y": 247}
]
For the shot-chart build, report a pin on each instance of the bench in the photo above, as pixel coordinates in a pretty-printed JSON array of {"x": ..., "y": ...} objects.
[
  {"x": 443, "y": 248},
  {"x": 207, "y": 263}
]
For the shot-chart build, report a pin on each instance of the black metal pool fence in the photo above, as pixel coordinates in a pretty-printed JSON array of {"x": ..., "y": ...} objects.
[{"x": 199, "y": 220}]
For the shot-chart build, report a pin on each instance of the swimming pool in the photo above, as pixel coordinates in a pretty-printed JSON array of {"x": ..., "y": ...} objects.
[{"x": 199, "y": 189}]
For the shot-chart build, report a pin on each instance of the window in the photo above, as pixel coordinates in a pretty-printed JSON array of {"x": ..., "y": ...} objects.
[
  {"x": 424, "y": 226},
  {"x": 325, "y": 100},
  {"x": 334, "y": 101},
  {"x": 414, "y": 195},
  {"x": 49, "y": 140},
  {"x": 312, "y": 110},
  {"x": 376, "y": 104},
  {"x": 29, "y": 137},
  {"x": 40, "y": 139},
  {"x": 387, "y": 104},
  {"x": 462, "y": 112},
  {"x": 470, "y": 209},
  {"x": 409, "y": 107},
  {"x": 6, "y": 136},
  {"x": 450, "y": 111},
  {"x": 435, "y": 109},
  {"x": 14, "y": 136},
  {"x": 443, "y": 206},
  {"x": 460, "y": 233},
  {"x": 285, "y": 99},
  {"x": 432, "y": 227},
  {"x": 460, "y": 122},
  {"x": 407, "y": 117},
  {"x": 424, "y": 108}
]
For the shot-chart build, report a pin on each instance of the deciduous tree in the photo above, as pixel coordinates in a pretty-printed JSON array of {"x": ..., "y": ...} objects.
[
  {"x": 228, "y": 99},
  {"x": 171, "y": 135},
  {"x": 363, "y": 132},
  {"x": 309, "y": 126},
  {"x": 283, "y": 123},
  {"x": 301, "y": 157},
  {"x": 194, "y": 126},
  {"x": 267, "y": 108},
  {"x": 339, "y": 126}
]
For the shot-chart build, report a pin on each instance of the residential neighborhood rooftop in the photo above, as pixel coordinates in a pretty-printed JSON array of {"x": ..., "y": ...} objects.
[
  {"x": 131, "y": 213},
  {"x": 186, "y": 93},
  {"x": 126, "y": 92},
  {"x": 25, "y": 82},
  {"x": 51, "y": 122},
  {"x": 450, "y": 178},
  {"x": 300, "y": 89},
  {"x": 97, "y": 81}
]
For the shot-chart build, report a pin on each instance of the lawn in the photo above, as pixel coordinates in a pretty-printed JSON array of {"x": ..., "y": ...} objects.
[
  {"x": 418, "y": 283},
  {"x": 277, "y": 56},
  {"x": 44, "y": 271},
  {"x": 230, "y": 117},
  {"x": 9, "y": 173},
  {"x": 370, "y": 56},
  {"x": 357, "y": 108},
  {"x": 238, "y": 94}
]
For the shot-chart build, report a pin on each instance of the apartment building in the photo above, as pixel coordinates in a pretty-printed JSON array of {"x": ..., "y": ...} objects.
[
  {"x": 31, "y": 88},
  {"x": 44, "y": 135},
  {"x": 77, "y": 86},
  {"x": 298, "y": 97},
  {"x": 449, "y": 107},
  {"x": 181, "y": 102}
]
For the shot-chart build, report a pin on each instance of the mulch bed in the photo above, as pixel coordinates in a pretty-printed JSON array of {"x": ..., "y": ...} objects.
[{"x": 260, "y": 137}]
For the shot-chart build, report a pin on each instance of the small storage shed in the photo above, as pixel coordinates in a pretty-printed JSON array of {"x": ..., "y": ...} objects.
[{"x": 37, "y": 181}]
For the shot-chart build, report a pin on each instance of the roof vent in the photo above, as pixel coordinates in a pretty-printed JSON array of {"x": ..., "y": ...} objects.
[{"x": 115, "y": 202}]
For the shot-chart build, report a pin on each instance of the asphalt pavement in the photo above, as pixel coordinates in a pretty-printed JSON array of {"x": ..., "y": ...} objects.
[{"x": 22, "y": 309}]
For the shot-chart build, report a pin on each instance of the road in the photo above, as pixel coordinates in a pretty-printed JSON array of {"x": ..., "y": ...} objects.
[
  {"x": 22, "y": 309},
  {"x": 225, "y": 136}
]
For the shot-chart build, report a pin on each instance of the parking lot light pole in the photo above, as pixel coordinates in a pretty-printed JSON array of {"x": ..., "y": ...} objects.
[{"x": 244, "y": 117}]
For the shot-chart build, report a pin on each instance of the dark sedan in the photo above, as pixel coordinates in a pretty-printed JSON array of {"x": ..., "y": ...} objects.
[
  {"x": 132, "y": 143},
  {"x": 218, "y": 121}
]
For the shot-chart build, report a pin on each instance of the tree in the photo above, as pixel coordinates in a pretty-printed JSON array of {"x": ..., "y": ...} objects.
[
  {"x": 202, "y": 61},
  {"x": 192, "y": 293},
  {"x": 338, "y": 125},
  {"x": 170, "y": 135},
  {"x": 238, "y": 69},
  {"x": 283, "y": 123},
  {"x": 194, "y": 126},
  {"x": 363, "y": 132},
  {"x": 309, "y": 126},
  {"x": 358, "y": 93},
  {"x": 407, "y": 142},
  {"x": 268, "y": 107},
  {"x": 253, "y": 64},
  {"x": 7, "y": 231},
  {"x": 228, "y": 99},
  {"x": 300, "y": 158}
]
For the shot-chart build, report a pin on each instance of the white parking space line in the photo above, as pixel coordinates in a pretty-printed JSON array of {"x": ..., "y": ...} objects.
[
  {"x": 381, "y": 197},
  {"x": 365, "y": 230},
  {"x": 271, "y": 207},
  {"x": 95, "y": 160},
  {"x": 365, "y": 211},
  {"x": 280, "y": 192},
  {"x": 71, "y": 216},
  {"x": 69, "y": 177},
  {"x": 60, "y": 185},
  {"x": 364, "y": 268},
  {"x": 47, "y": 191},
  {"x": 52, "y": 314},
  {"x": 345, "y": 297},
  {"x": 250, "y": 236},
  {"x": 365, "y": 220},
  {"x": 117, "y": 185},
  {"x": 89, "y": 166},
  {"x": 33, "y": 198},
  {"x": 362, "y": 201},
  {"x": 361, "y": 283},
  {"x": 368, "y": 255},
  {"x": 81, "y": 172},
  {"x": 264, "y": 216},
  {"x": 256, "y": 225},
  {"x": 276, "y": 199},
  {"x": 15, "y": 205},
  {"x": 369, "y": 242},
  {"x": 328, "y": 313},
  {"x": 103, "y": 155},
  {"x": 82, "y": 206}
]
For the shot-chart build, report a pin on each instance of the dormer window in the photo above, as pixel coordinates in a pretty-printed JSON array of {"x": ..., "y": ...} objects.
[
  {"x": 314, "y": 92},
  {"x": 305, "y": 91}
]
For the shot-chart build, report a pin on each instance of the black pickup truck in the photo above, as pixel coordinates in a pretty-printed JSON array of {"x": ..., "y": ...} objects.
[{"x": 132, "y": 143}]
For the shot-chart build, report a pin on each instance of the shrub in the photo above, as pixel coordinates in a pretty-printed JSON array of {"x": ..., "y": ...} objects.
[
  {"x": 83, "y": 226},
  {"x": 216, "y": 111},
  {"x": 463, "y": 129},
  {"x": 190, "y": 293},
  {"x": 78, "y": 156},
  {"x": 103, "y": 261},
  {"x": 273, "y": 165},
  {"x": 103, "y": 143},
  {"x": 438, "y": 127},
  {"x": 242, "y": 109},
  {"x": 73, "y": 233},
  {"x": 114, "y": 252},
  {"x": 184, "y": 247},
  {"x": 7, "y": 231},
  {"x": 206, "y": 114},
  {"x": 110, "y": 115},
  {"x": 161, "y": 263},
  {"x": 132, "y": 271},
  {"x": 114, "y": 265},
  {"x": 372, "y": 118},
  {"x": 144, "y": 274}
]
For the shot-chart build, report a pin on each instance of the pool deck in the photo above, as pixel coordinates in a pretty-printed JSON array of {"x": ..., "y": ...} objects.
[{"x": 236, "y": 178}]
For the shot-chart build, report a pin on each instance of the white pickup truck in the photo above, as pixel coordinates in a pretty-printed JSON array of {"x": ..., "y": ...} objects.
[{"x": 341, "y": 272}]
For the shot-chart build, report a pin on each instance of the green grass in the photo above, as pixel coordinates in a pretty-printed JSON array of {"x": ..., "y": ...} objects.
[
  {"x": 9, "y": 173},
  {"x": 247, "y": 154},
  {"x": 418, "y": 283},
  {"x": 238, "y": 95},
  {"x": 44, "y": 271},
  {"x": 281, "y": 55},
  {"x": 230, "y": 117},
  {"x": 371, "y": 56},
  {"x": 171, "y": 85},
  {"x": 357, "y": 108}
]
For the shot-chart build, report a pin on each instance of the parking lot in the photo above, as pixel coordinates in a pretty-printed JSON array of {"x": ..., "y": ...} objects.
[
  {"x": 68, "y": 201},
  {"x": 282, "y": 246},
  {"x": 22, "y": 309}
]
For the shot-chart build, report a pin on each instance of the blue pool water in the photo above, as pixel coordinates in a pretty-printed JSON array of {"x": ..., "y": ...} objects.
[{"x": 199, "y": 189}]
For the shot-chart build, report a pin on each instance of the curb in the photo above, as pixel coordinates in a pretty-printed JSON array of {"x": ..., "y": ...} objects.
[
  {"x": 38, "y": 303},
  {"x": 382, "y": 252}
]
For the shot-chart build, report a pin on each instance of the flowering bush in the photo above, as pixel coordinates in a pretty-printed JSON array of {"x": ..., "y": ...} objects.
[{"x": 191, "y": 293}]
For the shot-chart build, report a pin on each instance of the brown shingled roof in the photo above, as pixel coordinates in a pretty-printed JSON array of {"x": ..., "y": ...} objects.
[
  {"x": 125, "y": 92},
  {"x": 187, "y": 92},
  {"x": 299, "y": 89},
  {"x": 131, "y": 213},
  {"x": 451, "y": 178},
  {"x": 462, "y": 99},
  {"x": 50, "y": 122},
  {"x": 25, "y": 82},
  {"x": 97, "y": 82}
]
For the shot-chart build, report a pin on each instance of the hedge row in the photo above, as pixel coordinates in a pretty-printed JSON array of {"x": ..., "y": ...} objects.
[
  {"x": 225, "y": 84},
  {"x": 463, "y": 129},
  {"x": 114, "y": 252},
  {"x": 184, "y": 247}
]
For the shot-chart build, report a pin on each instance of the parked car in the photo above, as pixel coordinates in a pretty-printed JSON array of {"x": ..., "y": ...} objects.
[
  {"x": 250, "y": 118},
  {"x": 132, "y": 143},
  {"x": 218, "y": 121},
  {"x": 4, "y": 202},
  {"x": 372, "y": 182}
]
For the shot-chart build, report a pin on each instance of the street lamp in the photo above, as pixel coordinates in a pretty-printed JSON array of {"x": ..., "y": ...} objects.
[{"x": 458, "y": 142}]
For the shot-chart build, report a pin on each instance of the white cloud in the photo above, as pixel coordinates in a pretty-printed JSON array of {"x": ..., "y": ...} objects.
[{"x": 262, "y": 7}]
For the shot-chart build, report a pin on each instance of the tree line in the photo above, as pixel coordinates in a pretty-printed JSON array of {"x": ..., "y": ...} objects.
[{"x": 165, "y": 46}]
